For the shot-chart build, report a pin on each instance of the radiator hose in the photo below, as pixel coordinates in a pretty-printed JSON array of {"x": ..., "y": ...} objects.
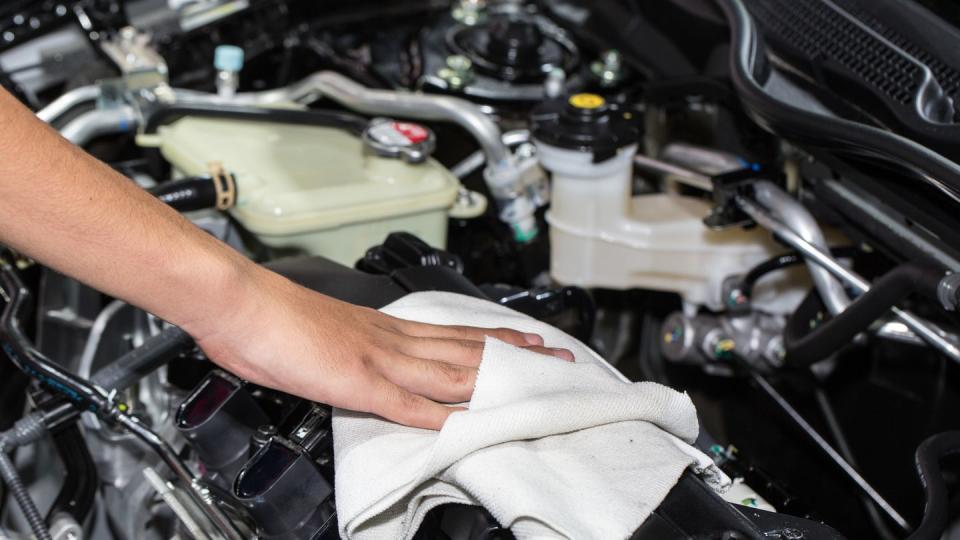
[
  {"x": 936, "y": 509},
  {"x": 219, "y": 191},
  {"x": 805, "y": 347}
]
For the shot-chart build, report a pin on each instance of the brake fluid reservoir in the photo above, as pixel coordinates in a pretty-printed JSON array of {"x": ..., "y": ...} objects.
[
  {"x": 321, "y": 190},
  {"x": 602, "y": 236}
]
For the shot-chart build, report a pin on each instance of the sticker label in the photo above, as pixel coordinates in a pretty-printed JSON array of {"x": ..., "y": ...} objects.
[
  {"x": 415, "y": 133},
  {"x": 398, "y": 133}
]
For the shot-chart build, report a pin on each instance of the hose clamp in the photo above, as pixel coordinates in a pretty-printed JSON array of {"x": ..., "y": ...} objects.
[
  {"x": 224, "y": 184},
  {"x": 948, "y": 291}
]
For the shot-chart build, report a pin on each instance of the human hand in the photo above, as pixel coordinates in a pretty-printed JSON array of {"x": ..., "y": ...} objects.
[{"x": 290, "y": 338}]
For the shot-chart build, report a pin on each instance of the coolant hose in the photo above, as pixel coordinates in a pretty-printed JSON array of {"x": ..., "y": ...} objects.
[
  {"x": 935, "y": 511},
  {"x": 134, "y": 365},
  {"x": 197, "y": 193},
  {"x": 805, "y": 347}
]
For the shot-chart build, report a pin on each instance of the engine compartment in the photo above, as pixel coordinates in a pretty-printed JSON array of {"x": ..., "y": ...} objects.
[{"x": 702, "y": 197}]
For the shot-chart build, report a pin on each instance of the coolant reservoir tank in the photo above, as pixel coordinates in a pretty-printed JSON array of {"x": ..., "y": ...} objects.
[
  {"x": 321, "y": 190},
  {"x": 602, "y": 236}
]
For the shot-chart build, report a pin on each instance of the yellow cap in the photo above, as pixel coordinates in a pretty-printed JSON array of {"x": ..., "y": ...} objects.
[{"x": 586, "y": 101}]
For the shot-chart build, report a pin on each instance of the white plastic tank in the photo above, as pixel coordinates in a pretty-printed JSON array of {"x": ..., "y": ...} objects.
[
  {"x": 602, "y": 236},
  {"x": 320, "y": 190}
]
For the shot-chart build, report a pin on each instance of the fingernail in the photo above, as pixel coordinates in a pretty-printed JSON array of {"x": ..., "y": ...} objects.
[
  {"x": 564, "y": 354},
  {"x": 533, "y": 339}
]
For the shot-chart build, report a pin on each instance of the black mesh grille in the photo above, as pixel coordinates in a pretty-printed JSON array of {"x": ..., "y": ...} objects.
[
  {"x": 821, "y": 33},
  {"x": 948, "y": 77}
]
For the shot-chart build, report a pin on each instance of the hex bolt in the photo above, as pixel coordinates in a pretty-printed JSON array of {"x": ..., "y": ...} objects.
[{"x": 458, "y": 71}]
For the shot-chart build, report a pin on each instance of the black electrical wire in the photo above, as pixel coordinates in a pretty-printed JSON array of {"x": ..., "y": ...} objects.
[
  {"x": 805, "y": 347},
  {"x": 24, "y": 431},
  {"x": 22, "y": 496},
  {"x": 781, "y": 261}
]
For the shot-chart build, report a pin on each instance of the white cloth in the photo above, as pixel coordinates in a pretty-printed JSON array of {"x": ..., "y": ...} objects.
[{"x": 550, "y": 448}]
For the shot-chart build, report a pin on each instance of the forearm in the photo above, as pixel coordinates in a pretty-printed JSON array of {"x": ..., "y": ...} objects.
[{"x": 69, "y": 211}]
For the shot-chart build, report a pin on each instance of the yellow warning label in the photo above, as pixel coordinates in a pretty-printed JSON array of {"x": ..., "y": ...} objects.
[{"x": 586, "y": 101}]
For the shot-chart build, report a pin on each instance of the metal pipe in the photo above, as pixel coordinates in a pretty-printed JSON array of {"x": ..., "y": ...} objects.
[
  {"x": 794, "y": 215},
  {"x": 476, "y": 160},
  {"x": 67, "y": 101},
  {"x": 847, "y": 469},
  {"x": 843, "y": 447},
  {"x": 357, "y": 97},
  {"x": 673, "y": 172},
  {"x": 925, "y": 330},
  {"x": 199, "y": 493},
  {"x": 90, "y": 125}
]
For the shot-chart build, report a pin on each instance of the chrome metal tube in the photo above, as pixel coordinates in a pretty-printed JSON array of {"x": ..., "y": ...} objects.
[
  {"x": 925, "y": 330},
  {"x": 476, "y": 160},
  {"x": 359, "y": 98},
  {"x": 67, "y": 101},
  {"x": 789, "y": 211},
  {"x": 193, "y": 486},
  {"x": 90, "y": 125},
  {"x": 673, "y": 172}
]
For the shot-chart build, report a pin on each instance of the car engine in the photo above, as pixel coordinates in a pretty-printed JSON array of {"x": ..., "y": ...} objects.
[{"x": 752, "y": 201}]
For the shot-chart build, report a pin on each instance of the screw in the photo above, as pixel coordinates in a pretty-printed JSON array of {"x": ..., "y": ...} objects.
[{"x": 791, "y": 534}]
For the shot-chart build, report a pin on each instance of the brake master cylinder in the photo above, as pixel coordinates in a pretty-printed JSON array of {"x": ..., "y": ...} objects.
[{"x": 603, "y": 236}]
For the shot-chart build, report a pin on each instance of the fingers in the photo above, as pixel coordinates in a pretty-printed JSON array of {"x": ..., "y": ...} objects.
[
  {"x": 438, "y": 381},
  {"x": 398, "y": 405},
  {"x": 562, "y": 354},
  {"x": 455, "y": 351},
  {"x": 513, "y": 337},
  {"x": 464, "y": 352}
]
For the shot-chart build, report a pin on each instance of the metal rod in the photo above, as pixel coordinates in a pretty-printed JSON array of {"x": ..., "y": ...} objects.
[
  {"x": 925, "y": 330},
  {"x": 194, "y": 487},
  {"x": 847, "y": 469}
]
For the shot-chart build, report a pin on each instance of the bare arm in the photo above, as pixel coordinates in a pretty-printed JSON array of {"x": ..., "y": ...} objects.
[{"x": 71, "y": 212}]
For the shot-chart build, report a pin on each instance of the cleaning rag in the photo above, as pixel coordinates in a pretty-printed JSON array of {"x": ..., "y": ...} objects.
[{"x": 552, "y": 449}]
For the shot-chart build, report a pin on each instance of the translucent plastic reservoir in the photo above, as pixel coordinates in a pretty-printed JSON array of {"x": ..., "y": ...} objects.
[{"x": 315, "y": 189}]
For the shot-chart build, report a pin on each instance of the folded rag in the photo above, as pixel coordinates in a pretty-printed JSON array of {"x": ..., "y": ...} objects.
[{"x": 550, "y": 448}]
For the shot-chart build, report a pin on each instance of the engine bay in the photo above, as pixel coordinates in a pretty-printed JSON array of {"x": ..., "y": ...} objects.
[{"x": 751, "y": 201}]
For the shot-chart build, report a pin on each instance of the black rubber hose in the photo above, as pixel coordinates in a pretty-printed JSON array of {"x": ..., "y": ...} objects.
[
  {"x": 80, "y": 481},
  {"x": 187, "y": 194},
  {"x": 169, "y": 114},
  {"x": 349, "y": 122},
  {"x": 929, "y": 454},
  {"x": 770, "y": 265},
  {"x": 126, "y": 370},
  {"x": 79, "y": 487},
  {"x": 134, "y": 365},
  {"x": 805, "y": 347}
]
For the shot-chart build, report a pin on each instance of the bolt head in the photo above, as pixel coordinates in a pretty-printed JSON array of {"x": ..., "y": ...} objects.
[{"x": 790, "y": 533}]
